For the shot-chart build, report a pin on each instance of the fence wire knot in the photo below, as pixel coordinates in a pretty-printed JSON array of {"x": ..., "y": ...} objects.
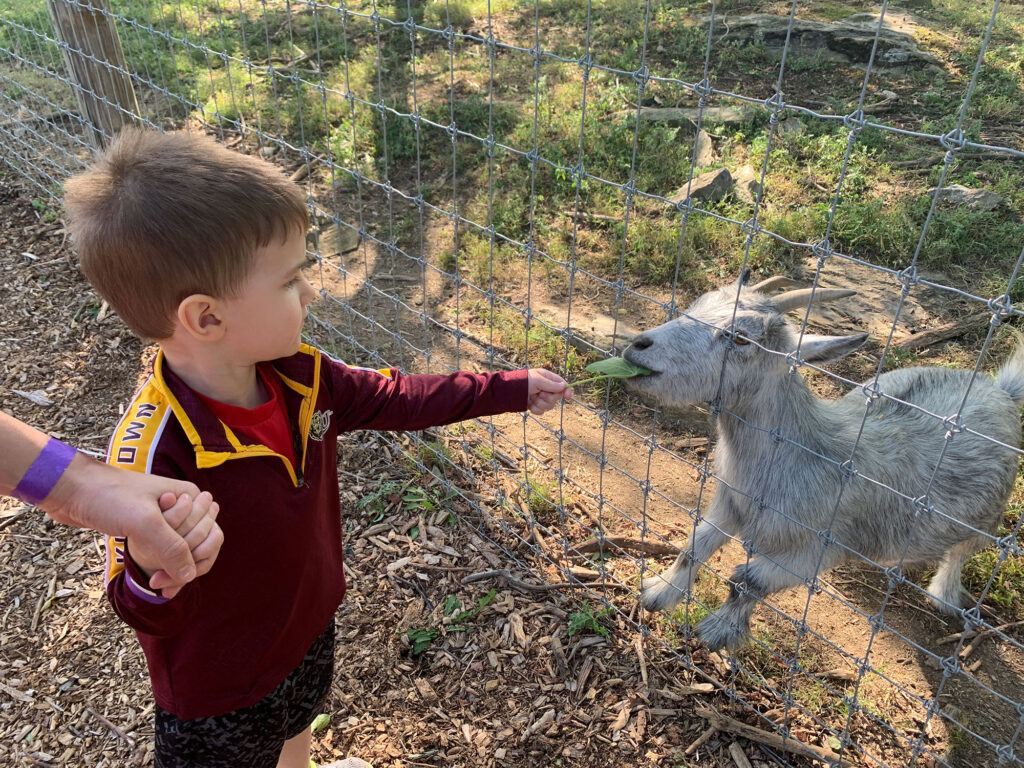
[
  {"x": 855, "y": 121},
  {"x": 1004, "y": 752},
  {"x": 776, "y": 104},
  {"x": 702, "y": 90},
  {"x": 894, "y": 574},
  {"x": 871, "y": 391},
  {"x": 822, "y": 249},
  {"x": 907, "y": 278},
  {"x": 585, "y": 63},
  {"x": 954, "y": 425},
  {"x": 950, "y": 666},
  {"x": 750, "y": 227},
  {"x": 641, "y": 77},
  {"x": 953, "y": 141},
  {"x": 1001, "y": 308}
]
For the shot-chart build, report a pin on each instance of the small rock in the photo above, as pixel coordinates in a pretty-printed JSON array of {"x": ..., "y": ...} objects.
[
  {"x": 705, "y": 151},
  {"x": 975, "y": 199},
  {"x": 792, "y": 126},
  {"x": 709, "y": 187}
]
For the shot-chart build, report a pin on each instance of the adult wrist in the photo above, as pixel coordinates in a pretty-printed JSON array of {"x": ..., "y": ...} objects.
[{"x": 44, "y": 473}]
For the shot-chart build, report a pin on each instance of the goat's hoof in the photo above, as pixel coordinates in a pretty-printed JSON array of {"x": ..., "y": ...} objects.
[
  {"x": 658, "y": 594},
  {"x": 950, "y": 603},
  {"x": 717, "y": 633}
]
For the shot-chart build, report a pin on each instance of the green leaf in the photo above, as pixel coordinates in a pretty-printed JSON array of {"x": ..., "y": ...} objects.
[
  {"x": 613, "y": 368},
  {"x": 420, "y": 639},
  {"x": 321, "y": 722}
]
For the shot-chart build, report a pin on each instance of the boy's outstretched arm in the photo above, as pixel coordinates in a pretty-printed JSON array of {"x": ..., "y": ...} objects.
[{"x": 545, "y": 390}]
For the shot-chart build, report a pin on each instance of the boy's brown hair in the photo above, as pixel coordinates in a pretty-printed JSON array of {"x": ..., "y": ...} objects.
[{"x": 158, "y": 217}]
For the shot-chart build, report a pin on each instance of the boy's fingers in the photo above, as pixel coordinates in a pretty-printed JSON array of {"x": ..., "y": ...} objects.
[
  {"x": 206, "y": 553},
  {"x": 202, "y": 529},
  {"x": 176, "y": 509},
  {"x": 199, "y": 510}
]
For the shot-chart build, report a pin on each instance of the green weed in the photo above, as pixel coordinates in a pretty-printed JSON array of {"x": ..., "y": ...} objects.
[{"x": 589, "y": 620}]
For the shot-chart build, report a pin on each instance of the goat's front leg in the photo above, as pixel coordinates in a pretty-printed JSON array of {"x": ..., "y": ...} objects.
[
  {"x": 729, "y": 626},
  {"x": 666, "y": 590}
]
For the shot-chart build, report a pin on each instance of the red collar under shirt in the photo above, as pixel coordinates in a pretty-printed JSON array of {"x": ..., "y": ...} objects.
[{"x": 265, "y": 424}]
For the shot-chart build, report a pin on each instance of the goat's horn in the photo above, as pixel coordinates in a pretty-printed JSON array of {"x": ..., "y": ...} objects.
[
  {"x": 773, "y": 284},
  {"x": 796, "y": 299}
]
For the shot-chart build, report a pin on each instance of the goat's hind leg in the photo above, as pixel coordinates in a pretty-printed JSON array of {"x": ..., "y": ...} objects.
[
  {"x": 945, "y": 590},
  {"x": 666, "y": 590}
]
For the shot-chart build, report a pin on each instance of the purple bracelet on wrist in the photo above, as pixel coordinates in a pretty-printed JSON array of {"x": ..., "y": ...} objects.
[{"x": 45, "y": 471}]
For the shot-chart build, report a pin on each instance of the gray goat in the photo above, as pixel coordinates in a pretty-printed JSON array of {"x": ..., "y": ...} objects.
[{"x": 790, "y": 484}]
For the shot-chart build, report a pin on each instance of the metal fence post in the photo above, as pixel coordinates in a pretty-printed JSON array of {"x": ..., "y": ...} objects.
[{"x": 96, "y": 65}]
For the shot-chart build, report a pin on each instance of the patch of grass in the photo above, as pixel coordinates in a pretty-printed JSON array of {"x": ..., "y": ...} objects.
[{"x": 540, "y": 497}]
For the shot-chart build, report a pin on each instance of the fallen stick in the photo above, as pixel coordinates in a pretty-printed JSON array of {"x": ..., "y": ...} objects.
[
  {"x": 701, "y": 740},
  {"x": 113, "y": 728},
  {"x": 522, "y": 585},
  {"x": 769, "y": 739},
  {"x": 646, "y": 547},
  {"x": 738, "y": 756},
  {"x": 977, "y": 631},
  {"x": 944, "y": 332}
]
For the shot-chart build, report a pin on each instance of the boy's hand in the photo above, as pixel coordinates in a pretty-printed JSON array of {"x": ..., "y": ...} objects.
[
  {"x": 195, "y": 521},
  {"x": 546, "y": 389}
]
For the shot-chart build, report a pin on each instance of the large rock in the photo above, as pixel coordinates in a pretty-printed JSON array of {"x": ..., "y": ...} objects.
[
  {"x": 709, "y": 187},
  {"x": 848, "y": 41},
  {"x": 975, "y": 199},
  {"x": 333, "y": 240},
  {"x": 746, "y": 183}
]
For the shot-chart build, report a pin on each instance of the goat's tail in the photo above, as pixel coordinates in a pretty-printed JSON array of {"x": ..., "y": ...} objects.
[{"x": 1010, "y": 377}]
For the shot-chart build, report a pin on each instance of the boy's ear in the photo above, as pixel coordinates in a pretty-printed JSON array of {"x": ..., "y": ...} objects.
[{"x": 199, "y": 316}]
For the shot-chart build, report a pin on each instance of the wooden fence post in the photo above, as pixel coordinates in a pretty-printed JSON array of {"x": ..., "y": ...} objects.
[{"x": 95, "y": 66}]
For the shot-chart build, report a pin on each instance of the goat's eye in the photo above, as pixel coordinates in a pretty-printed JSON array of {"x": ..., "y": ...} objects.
[{"x": 735, "y": 337}]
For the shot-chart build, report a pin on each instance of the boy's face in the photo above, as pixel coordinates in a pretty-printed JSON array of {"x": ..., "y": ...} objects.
[{"x": 264, "y": 321}]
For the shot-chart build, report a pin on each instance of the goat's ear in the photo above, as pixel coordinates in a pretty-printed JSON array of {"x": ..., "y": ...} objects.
[{"x": 819, "y": 349}]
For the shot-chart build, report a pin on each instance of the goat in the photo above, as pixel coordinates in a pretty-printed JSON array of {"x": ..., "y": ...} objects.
[{"x": 791, "y": 483}]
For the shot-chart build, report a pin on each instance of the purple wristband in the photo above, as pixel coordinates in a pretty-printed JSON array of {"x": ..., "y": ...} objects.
[{"x": 45, "y": 471}]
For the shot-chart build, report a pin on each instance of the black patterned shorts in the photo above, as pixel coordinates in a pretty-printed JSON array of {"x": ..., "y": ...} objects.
[{"x": 251, "y": 737}]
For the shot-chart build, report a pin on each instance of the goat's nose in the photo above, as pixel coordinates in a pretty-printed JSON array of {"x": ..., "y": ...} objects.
[{"x": 641, "y": 342}]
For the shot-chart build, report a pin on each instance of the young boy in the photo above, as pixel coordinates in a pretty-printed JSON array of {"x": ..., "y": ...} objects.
[{"x": 202, "y": 249}]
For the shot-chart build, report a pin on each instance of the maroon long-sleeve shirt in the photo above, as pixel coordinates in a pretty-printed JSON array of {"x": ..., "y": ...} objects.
[{"x": 232, "y": 636}]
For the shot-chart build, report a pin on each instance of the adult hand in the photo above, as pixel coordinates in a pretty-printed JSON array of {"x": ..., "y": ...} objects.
[{"x": 546, "y": 389}]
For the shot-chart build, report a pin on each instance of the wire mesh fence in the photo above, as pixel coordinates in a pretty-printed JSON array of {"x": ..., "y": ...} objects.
[{"x": 504, "y": 184}]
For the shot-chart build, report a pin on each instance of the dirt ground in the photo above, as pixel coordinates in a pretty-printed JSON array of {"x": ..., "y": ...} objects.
[{"x": 501, "y": 680}]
